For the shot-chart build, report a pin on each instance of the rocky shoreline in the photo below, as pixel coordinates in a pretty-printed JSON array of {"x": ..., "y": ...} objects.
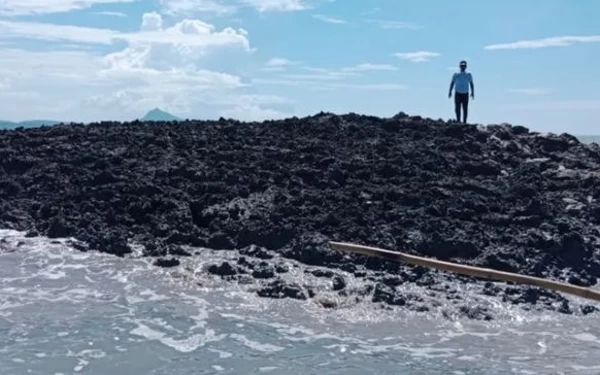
[{"x": 498, "y": 196}]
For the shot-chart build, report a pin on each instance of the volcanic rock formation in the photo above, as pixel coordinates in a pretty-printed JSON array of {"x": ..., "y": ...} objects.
[{"x": 497, "y": 196}]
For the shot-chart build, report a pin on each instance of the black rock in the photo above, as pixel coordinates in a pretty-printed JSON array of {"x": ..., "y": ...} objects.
[
  {"x": 487, "y": 196},
  {"x": 264, "y": 272},
  {"x": 338, "y": 282},
  {"x": 588, "y": 309},
  {"x": 166, "y": 263},
  {"x": 322, "y": 273},
  {"x": 386, "y": 294},
  {"x": 225, "y": 269},
  {"x": 282, "y": 289}
]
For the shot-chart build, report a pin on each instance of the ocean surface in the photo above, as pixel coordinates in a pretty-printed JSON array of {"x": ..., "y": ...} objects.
[
  {"x": 63, "y": 311},
  {"x": 589, "y": 138}
]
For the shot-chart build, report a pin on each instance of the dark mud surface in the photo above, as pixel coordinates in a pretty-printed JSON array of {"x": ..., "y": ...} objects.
[{"x": 498, "y": 196}]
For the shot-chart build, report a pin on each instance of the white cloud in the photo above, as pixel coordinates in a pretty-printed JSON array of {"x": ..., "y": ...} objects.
[
  {"x": 420, "y": 56},
  {"x": 47, "y": 83},
  {"x": 388, "y": 24},
  {"x": 29, "y": 7},
  {"x": 151, "y": 22},
  {"x": 279, "y": 64},
  {"x": 111, "y": 14},
  {"x": 373, "y": 86},
  {"x": 221, "y": 7},
  {"x": 279, "y": 61},
  {"x": 329, "y": 85},
  {"x": 323, "y": 75},
  {"x": 188, "y": 7},
  {"x": 320, "y": 74},
  {"x": 178, "y": 68},
  {"x": 194, "y": 33},
  {"x": 4, "y": 83},
  {"x": 329, "y": 19},
  {"x": 253, "y": 112},
  {"x": 320, "y": 77},
  {"x": 370, "y": 67},
  {"x": 559, "y": 41},
  {"x": 532, "y": 91},
  {"x": 81, "y": 86},
  {"x": 276, "y": 5},
  {"x": 52, "y": 32}
]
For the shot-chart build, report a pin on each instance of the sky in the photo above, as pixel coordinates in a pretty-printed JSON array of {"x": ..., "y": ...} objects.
[{"x": 534, "y": 63}]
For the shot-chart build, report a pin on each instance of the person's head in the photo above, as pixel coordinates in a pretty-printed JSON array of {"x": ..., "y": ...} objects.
[{"x": 463, "y": 65}]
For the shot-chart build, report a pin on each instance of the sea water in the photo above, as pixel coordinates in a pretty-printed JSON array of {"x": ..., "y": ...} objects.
[
  {"x": 63, "y": 311},
  {"x": 589, "y": 138}
]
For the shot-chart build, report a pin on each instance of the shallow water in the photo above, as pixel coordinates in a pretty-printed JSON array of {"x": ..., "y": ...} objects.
[{"x": 67, "y": 312}]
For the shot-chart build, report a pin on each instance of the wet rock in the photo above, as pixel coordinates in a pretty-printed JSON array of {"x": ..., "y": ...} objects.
[
  {"x": 224, "y": 269},
  {"x": 166, "y": 263},
  {"x": 264, "y": 271},
  {"x": 328, "y": 304},
  {"x": 281, "y": 268},
  {"x": 564, "y": 308},
  {"x": 476, "y": 313},
  {"x": 490, "y": 289},
  {"x": 588, "y": 309},
  {"x": 257, "y": 252},
  {"x": 338, "y": 282},
  {"x": 111, "y": 243},
  {"x": 312, "y": 249},
  {"x": 283, "y": 289},
  {"x": 322, "y": 273},
  {"x": 526, "y": 295},
  {"x": 59, "y": 229},
  {"x": 392, "y": 281},
  {"x": 498, "y": 196},
  {"x": 386, "y": 294},
  {"x": 446, "y": 249},
  {"x": 32, "y": 233},
  {"x": 220, "y": 241}
]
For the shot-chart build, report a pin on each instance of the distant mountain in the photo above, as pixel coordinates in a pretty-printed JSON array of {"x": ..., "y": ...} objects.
[
  {"x": 159, "y": 115},
  {"x": 27, "y": 124}
]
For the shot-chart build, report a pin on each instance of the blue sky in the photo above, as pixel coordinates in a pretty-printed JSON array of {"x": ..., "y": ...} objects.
[{"x": 534, "y": 63}]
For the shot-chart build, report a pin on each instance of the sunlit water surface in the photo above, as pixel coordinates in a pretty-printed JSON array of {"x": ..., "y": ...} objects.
[{"x": 67, "y": 312}]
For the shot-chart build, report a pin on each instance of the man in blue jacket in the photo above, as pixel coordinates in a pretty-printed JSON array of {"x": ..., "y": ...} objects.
[{"x": 460, "y": 83}]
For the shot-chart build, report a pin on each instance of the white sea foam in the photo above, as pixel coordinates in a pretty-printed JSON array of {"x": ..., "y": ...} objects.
[{"x": 64, "y": 311}]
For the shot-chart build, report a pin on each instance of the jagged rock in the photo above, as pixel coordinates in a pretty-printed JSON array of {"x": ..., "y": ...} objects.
[
  {"x": 476, "y": 312},
  {"x": 488, "y": 196},
  {"x": 322, "y": 273},
  {"x": 384, "y": 293},
  {"x": 58, "y": 228},
  {"x": 282, "y": 289},
  {"x": 338, "y": 282},
  {"x": 264, "y": 271},
  {"x": 166, "y": 263},
  {"x": 225, "y": 269},
  {"x": 588, "y": 309},
  {"x": 257, "y": 252}
]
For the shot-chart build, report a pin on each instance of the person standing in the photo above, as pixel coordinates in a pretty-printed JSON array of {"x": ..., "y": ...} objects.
[{"x": 461, "y": 82}]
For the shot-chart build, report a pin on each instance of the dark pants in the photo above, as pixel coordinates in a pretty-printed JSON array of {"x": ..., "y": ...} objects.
[{"x": 461, "y": 100}]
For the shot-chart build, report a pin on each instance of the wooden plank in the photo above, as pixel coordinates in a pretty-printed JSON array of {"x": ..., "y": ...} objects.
[{"x": 485, "y": 273}]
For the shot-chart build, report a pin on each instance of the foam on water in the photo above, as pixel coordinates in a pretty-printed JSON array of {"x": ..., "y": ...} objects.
[{"x": 64, "y": 312}]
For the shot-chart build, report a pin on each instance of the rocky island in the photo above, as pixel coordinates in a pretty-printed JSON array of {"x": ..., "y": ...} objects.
[{"x": 496, "y": 196}]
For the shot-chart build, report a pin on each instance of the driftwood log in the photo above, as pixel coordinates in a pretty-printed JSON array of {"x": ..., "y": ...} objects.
[{"x": 486, "y": 273}]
